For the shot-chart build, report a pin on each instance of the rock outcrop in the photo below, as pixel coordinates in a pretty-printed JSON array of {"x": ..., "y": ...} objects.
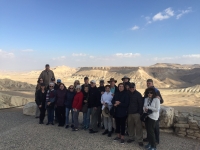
[
  {"x": 29, "y": 109},
  {"x": 166, "y": 117}
]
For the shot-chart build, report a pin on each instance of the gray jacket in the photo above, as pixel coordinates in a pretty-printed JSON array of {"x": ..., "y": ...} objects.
[{"x": 46, "y": 76}]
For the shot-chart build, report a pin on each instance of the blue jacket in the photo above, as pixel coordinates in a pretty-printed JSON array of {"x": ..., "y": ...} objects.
[{"x": 69, "y": 99}]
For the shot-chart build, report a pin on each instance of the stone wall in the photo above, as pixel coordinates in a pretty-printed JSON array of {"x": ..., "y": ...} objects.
[{"x": 187, "y": 124}]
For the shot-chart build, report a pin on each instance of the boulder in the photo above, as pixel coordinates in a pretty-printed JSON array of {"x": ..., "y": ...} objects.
[
  {"x": 166, "y": 116},
  {"x": 30, "y": 109},
  {"x": 182, "y": 125}
]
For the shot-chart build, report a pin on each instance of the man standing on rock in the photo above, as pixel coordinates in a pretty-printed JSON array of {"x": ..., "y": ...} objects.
[
  {"x": 134, "y": 111},
  {"x": 159, "y": 96},
  {"x": 46, "y": 75}
]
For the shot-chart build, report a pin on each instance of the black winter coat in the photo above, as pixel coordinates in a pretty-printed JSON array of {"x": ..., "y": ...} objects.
[
  {"x": 41, "y": 98},
  {"x": 69, "y": 99},
  {"x": 122, "y": 108},
  {"x": 136, "y": 103},
  {"x": 94, "y": 97}
]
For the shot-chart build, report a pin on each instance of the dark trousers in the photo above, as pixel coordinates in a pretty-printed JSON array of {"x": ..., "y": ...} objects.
[
  {"x": 99, "y": 117},
  {"x": 61, "y": 115},
  {"x": 120, "y": 125},
  {"x": 42, "y": 113},
  {"x": 156, "y": 130},
  {"x": 94, "y": 118},
  {"x": 50, "y": 112},
  {"x": 151, "y": 124},
  {"x": 56, "y": 114}
]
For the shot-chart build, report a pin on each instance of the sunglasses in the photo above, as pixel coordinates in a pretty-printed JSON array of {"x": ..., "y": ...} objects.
[{"x": 150, "y": 92}]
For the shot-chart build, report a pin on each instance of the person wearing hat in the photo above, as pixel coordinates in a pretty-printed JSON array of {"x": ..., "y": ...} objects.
[
  {"x": 150, "y": 84},
  {"x": 40, "y": 101},
  {"x": 95, "y": 105},
  {"x": 113, "y": 87},
  {"x": 101, "y": 89},
  {"x": 46, "y": 75},
  {"x": 135, "y": 109},
  {"x": 86, "y": 83},
  {"x": 106, "y": 101}
]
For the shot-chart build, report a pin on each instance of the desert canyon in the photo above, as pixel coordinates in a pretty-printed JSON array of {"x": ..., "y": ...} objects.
[{"x": 179, "y": 84}]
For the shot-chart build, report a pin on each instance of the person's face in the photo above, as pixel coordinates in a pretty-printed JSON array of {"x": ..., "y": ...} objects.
[
  {"x": 41, "y": 80},
  {"x": 101, "y": 83},
  {"x": 112, "y": 83},
  {"x": 76, "y": 83},
  {"x": 51, "y": 86},
  {"x": 61, "y": 86},
  {"x": 86, "y": 89},
  {"x": 93, "y": 84},
  {"x": 78, "y": 90},
  {"x": 107, "y": 89},
  {"x": 58, "y": 83},
  {"x": 42, "y": 87},
  {"x": 127, "y": 87},
  {"x": 121, "y": 88},
  {"x": 125, "y": 80},
  {"x": 150, "y": 94},
  {"x": 71, "y": 88},
  {"x": 132, "y": 89},
  {"x": 86, "y": 81},
  {"x": 149, "y": 84},
  {"x": 47, "y": 67}
]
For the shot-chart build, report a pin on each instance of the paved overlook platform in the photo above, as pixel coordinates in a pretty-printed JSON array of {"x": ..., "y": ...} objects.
[{"x": 20, "y": 132}]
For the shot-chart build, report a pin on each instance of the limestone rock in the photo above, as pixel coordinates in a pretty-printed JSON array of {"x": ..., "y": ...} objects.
[
  {"x": 193, "y": 137},
  {"x": 182, "y": 135},
  {"x": 182, "y": 125},
  {"x": 166, "y": 116},
  {"x": 29, "y": 109},
  {"x": 197, "y": 135}
]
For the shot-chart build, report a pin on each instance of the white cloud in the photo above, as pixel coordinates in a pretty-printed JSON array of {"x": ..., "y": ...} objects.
[
  {"x": 27, "y": 50},
  {"x": 79, "y": 54},
  {"x": 92, "y": 57},
  {"x": 166, "y": 14},
  {"x": 135, "y": 28},
  {"x": 127, "y": 55},
  {"x": 191, "y": 56},
  {"x": 59, "y": 58},
  {"x": 5, "y": 54},
  {"x": 182, "y": 12}
]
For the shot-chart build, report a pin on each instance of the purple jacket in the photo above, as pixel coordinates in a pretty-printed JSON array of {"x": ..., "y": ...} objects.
[{"x": 60, "y": 97}]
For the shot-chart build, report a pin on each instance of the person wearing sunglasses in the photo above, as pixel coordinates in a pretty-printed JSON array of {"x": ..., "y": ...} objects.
[
  {"x": 152, "y": 103},
  {"x": 68, "y": 106},
  {"x": 50, "y": 103}
]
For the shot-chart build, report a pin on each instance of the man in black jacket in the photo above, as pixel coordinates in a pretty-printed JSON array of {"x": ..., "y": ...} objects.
[
  {"x": 95, "y": 104},
  {"x": 134, "y": 111}
]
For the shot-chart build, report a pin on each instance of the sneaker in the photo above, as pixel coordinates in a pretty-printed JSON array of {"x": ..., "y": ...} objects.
[
  {"x": 152, "y": 148},
  {"x": 47, "y": 123},
  {"x": 141, "y": 144},
  {"x": 41, "y": 122},
  {"x": 105, "y": 132},
  {"x": 75, "y": 129},
  {"x": 86, "y": 128},
  {"x": 92, "y": 131},
  {"x": 109, "y": 134},
  {"x": 52, "y": 123},
  {"x": 130, "y": 141},
  {"x": 145, "y": 140},
  {"x": 148, "y": 146},
  {"x": 122, "y": 141},
  {"x": 116, "y": 139},
  {"x": 72, "y": 126},
  {"x": 67, "y": 126}
]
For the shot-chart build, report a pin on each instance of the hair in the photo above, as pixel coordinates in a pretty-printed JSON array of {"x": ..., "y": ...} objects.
[
  {"x": 38, "y": 81},
  {"x": 70, "y": 86},
  {"x": 107, "y": 86},
  {"x": 150, "y": 90},
  {"x": 61, "y": 84},
  {"x": 78, "y": 87},
  {"x": 76, "y": 81},
  {"x": 51, "y": 83},
  {"x": 120, "y": 84},
  {"x": 150, "y": 80},
  {"x": 86, "y": 86}
]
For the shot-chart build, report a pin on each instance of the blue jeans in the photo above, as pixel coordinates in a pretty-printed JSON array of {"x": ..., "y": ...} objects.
[
  {"x": 67, "y": 115},
  {"x": 86, "y": 118},
  {"x": 50, "y": 112}
]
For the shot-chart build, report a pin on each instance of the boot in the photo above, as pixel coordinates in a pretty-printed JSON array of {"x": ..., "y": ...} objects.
[
  {"x": 105, "y": 132},
  {"x": 109, "y": 134}
]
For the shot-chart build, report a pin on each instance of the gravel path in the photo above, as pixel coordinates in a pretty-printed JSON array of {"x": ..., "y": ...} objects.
[{"x": 20, "y": 132}]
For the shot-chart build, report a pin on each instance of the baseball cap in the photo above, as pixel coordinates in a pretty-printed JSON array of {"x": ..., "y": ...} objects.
[
  {"x": 93, "y": 81},
  {"x": 132, "y": 85},
  {"x": 58, "y": 81}
]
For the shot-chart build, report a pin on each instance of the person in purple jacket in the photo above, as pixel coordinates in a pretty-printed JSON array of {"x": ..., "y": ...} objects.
[{"x": 60, "y": 104}]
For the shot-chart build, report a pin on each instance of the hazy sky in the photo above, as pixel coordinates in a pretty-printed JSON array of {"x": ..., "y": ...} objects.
[{"x": 98, "y": 33}]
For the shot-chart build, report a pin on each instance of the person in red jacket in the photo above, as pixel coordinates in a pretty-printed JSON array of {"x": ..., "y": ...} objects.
[{"x": 77, "y": 105}]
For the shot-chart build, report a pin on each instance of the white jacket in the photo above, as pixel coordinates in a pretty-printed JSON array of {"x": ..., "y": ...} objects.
[
  {"x": 106, "y": 98},
  {"x": 155, "y": 107}
]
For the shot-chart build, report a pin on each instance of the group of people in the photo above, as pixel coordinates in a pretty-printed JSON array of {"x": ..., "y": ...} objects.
[{"x": 117, "y": 108}]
